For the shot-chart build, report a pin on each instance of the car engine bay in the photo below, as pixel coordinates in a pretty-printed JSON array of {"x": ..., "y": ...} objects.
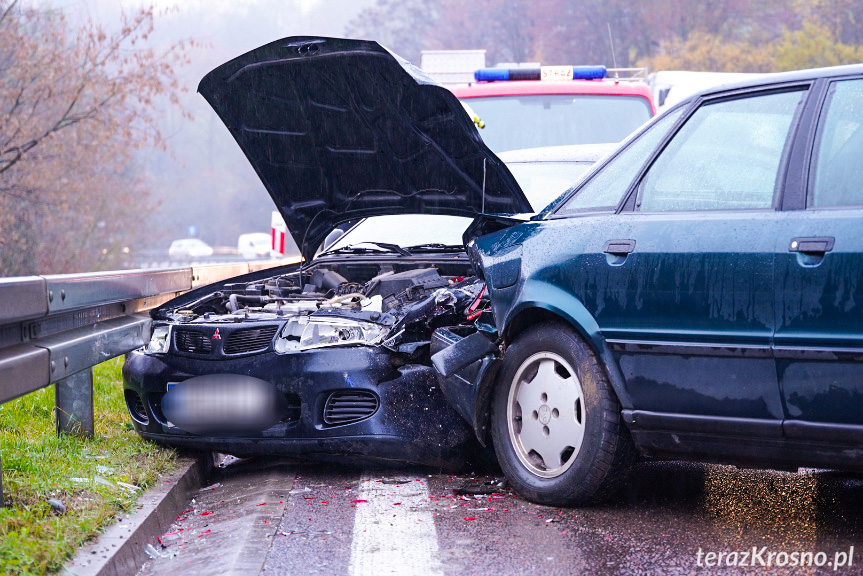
[{"x": 320, "y": 307}]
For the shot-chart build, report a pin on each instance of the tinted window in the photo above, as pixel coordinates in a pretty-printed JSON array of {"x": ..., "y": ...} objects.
[
  {"x": 725, "y": 157},
  {"x": 515, "y": 122},
  {"x": 607, "y": 187},
  {"x": 838, "y": 179}
]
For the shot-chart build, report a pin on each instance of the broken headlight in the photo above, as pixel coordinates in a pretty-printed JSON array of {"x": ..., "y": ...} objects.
[
  {"x": 159, "y": 340},
  {"x": 322, "y": 332}
]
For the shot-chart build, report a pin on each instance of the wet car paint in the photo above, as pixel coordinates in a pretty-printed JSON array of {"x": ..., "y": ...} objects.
[{"x": 721, "y": 340}]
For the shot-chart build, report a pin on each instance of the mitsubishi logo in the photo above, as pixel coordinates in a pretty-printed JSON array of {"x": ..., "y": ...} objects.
[{"x": 216, "y": 335}]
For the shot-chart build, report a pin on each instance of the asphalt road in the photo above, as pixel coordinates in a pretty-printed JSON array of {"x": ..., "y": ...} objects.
[{"x": 297, "y": 518}]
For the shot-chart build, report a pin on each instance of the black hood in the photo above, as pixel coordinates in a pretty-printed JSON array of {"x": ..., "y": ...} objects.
[{"x": 343, "y": 129}]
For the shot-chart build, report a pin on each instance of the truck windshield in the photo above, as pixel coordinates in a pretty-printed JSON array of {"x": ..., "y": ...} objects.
[{"x": 514, "y": 122}]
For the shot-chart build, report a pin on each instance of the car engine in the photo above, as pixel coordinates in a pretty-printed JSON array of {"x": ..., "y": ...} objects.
[{"x": 319, "y": 308}]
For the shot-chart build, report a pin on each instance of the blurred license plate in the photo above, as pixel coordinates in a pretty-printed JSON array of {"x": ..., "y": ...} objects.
[{"x": 222, "y": 403}]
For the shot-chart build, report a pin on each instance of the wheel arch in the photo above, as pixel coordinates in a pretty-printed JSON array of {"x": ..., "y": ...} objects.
[{"x": 543, "y": 302}]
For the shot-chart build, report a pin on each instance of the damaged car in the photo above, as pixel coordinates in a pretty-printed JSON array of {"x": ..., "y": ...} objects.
[
  {"x": 377, "y": 171},
  {"x": 698, "y": 296}
]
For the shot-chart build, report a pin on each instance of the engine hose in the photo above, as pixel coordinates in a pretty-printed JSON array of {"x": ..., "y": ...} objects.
[{"x": 342, "y": 298}]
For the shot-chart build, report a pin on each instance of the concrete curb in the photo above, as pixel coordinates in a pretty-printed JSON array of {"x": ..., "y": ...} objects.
[{"x": 120, "y": 550}]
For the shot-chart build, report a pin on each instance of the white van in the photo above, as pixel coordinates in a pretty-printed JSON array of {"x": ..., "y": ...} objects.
[{"x": 254, "y": 246}]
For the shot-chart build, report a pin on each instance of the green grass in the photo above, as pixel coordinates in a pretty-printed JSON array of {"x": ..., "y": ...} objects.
[{"x": 38, "y": 465}]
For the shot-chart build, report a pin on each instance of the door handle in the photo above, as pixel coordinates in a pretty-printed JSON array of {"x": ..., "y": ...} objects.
[
  {"x": 820, "y": 245},
  {"x": 621, "y": 247}
]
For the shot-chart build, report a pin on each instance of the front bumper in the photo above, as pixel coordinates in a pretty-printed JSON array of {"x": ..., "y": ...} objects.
[{"x": 412, "y": 423}]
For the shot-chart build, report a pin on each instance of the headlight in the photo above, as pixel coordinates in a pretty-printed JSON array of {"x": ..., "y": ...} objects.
[
  {"x": 159, "y": 340},
  {"x": 321, "y": 332}
]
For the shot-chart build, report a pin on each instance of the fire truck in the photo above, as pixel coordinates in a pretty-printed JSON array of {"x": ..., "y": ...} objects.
[{"x": 531, "y": 105}]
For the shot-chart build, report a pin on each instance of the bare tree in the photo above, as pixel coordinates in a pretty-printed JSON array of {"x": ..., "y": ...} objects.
[{"x": 75, "y": 104}]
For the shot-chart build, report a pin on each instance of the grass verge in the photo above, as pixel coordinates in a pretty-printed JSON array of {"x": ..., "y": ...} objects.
[{"x": 82, "y": 473}]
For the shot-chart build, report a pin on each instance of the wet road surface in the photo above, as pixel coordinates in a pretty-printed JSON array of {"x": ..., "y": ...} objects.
[{"x": 322, "y": 519}]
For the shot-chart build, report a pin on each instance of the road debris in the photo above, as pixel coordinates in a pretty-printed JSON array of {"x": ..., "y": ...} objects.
[
  {"x": 153, "y": 553},
  {"x": 489, "y": 487},
  {"x": 224, "y": 460},
  {"x": 57, "y": 506}
]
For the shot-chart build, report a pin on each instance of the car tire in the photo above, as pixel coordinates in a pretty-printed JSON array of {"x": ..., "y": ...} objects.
[{"x": 552, "y": 401}]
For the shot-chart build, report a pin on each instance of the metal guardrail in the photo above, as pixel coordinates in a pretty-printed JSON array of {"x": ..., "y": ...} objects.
[{"x": 54, "y": 329}]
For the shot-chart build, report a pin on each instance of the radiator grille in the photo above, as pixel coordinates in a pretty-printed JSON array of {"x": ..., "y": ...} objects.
[
  {"x": 250, "y": 340},
  {"x": 192, "y": 341},
  {"x": 349, "y": 406}
]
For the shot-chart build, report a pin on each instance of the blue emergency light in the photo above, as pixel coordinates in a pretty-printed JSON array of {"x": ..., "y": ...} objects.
[{"x": 543, "y": 73}]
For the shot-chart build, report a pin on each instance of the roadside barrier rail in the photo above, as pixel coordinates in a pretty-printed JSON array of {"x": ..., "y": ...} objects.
[{"x": 54, "y": 329}]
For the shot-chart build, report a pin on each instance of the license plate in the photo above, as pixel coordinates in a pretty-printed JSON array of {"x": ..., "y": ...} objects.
[{"x": 222, "y": 404}]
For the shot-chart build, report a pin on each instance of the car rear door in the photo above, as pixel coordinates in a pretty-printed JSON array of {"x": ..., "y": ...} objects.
[{"x": 819, "y": 279}]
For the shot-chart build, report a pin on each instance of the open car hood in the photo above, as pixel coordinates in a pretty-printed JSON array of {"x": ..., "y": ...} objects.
[{"x": 343, "y": 129}]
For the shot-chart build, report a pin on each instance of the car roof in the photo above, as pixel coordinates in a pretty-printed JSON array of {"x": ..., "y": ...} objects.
[
  {"x": 528, "y": 87},
  {"x": 572, "y": 153},
  {"x": 784, "y": 78}
]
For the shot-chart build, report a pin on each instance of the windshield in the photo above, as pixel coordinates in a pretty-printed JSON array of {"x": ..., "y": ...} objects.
[
  {"x": 541, "y": 182},
  {"x": 406, "y": 230},
  {"x": 514, "y": 122}
]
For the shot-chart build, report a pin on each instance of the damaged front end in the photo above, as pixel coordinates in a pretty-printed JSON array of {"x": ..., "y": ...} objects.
[
  {"x": 466, "y": 358},
  {"x": 339, "y": 354}
]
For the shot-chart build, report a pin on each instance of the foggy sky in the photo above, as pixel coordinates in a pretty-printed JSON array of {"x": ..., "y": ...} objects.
[{"x": 206, "y": 181}]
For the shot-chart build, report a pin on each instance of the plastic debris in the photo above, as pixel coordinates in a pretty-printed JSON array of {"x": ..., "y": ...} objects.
[
  {"x": 127, "y": 486},
  {"x": 210, "y": 487},
  {"x": 487, "y": 488},
  {"x": 395, "y": 480},
  {"x": 169, "y": 538},
  {"x": 224, "y": 460},
  {"x": 79, "y": 480},
  {"x": 152, "y": 552},
  {"x": 299, "y": 491},
  {"x": 103, "y": 481},
  {"x": 57, "y": 506},
  {"x": 104, "y": 469},
  {"x": 359, "y": 501},
  {"x": 207, "y": 513}
]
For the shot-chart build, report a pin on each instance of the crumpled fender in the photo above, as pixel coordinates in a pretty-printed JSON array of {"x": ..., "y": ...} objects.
[{"x": 536, "y": 294}]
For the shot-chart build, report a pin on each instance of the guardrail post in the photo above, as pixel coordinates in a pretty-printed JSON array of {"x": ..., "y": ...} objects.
[{"x": 74, "y": 399}]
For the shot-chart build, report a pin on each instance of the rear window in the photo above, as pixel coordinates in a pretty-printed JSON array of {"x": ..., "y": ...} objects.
[{"x": 514, "y": 122}]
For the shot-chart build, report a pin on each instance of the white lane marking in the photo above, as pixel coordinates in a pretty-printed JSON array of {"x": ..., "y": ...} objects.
[{"x": 390, "y": 539}]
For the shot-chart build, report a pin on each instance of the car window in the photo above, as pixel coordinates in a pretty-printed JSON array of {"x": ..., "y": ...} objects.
[
  {"x": 838, "y": 178},
  {"x": 531, "y": 121},
  {"x": 543, "y": 182},
  {"x": 726, "y": 156},
  {"x": 406, "y": 230},
  {"x": 607, "y": 187}
]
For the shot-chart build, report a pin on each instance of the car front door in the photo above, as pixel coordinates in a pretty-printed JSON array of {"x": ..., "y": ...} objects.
[
  {"x": 682, "y": 287},
  {"x": 819, "y": 281}
]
